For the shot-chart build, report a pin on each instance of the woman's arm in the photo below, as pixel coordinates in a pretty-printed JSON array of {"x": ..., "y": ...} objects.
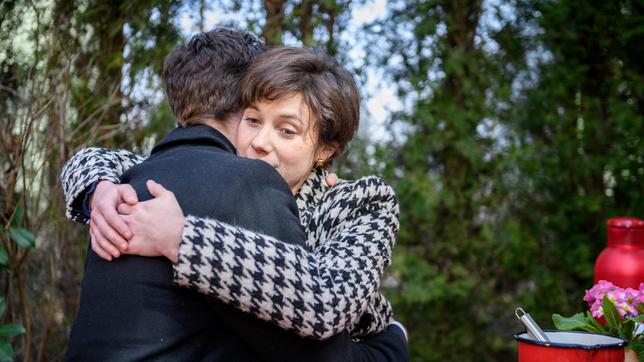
[
  {"x": 375, "y": 318},
  {"x": 88, "y": 166},
  {"x": 315, "y": 294}
]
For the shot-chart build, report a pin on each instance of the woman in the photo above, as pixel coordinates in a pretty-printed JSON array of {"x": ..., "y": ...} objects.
[{"x": 302, "y": 108}]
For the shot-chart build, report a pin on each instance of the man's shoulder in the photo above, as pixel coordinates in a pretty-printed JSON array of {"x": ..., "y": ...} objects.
[
  {"x": 258, "y": 173},
  {"x": 264, "y": 203},
  {"x": 211, "y": 157}
]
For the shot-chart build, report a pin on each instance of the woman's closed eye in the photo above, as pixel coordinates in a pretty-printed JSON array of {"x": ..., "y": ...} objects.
[
  {"x": 288, "y": 132},
  {"x": 252, "y": 121}
]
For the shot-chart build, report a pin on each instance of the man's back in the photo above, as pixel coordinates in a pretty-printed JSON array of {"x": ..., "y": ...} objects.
[{"x": 130, "y": 309}]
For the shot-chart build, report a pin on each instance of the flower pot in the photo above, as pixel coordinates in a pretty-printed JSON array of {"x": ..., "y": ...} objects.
[
  {"x": 566, "y": 346},
  {"x": 630, "y": 355}
]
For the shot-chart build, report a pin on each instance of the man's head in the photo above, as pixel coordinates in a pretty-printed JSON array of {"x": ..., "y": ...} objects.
[{"x": 202, "y": 77}]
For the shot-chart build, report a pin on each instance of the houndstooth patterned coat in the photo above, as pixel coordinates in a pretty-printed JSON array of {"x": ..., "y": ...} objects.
[{"x": 351, "y": 228}]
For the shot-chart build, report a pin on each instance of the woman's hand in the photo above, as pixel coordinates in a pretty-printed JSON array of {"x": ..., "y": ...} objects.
[
  {"x": 332, "y": 179},
  {"x": 156, "y": 224},
  {"x": 109, "y": 233}
]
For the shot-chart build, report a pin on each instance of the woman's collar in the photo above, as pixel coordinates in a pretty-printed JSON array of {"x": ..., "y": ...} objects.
[{"x": 312, "y": 190}]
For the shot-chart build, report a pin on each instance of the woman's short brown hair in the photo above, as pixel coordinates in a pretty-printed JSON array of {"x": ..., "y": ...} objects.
[{"x": 328, "y": 89}]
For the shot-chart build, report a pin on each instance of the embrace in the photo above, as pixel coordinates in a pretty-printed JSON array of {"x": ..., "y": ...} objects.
[{"x": 231, "y": 241}]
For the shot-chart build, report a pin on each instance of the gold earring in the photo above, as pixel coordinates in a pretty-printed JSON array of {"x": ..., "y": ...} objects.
[{"x": 319, "y": 163}]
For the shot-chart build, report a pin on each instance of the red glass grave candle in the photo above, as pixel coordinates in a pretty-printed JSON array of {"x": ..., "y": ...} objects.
[{"x": 622, "y": 261}]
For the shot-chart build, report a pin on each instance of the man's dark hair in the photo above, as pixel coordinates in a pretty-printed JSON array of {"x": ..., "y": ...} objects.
[
  {"x": 202, "y": 78},
  {"x": 328, "y": 89}
]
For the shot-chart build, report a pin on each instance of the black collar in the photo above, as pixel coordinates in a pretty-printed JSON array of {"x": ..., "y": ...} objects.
[{"x": 195, "y": 135}]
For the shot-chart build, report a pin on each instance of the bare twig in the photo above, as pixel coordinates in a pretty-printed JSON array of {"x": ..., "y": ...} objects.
[{"x": 14, "y": 92}]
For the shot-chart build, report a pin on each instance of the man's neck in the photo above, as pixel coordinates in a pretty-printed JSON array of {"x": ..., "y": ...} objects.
[{"x": 227, "y": 127}]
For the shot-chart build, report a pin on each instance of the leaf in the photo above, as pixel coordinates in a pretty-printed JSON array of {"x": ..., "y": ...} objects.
[
  {"x": 6, "y": 352},
  {"x": 11, "y": 330},
  {"x": 595, "y": 322},
  {"x": 20, "y": 210},
  {"x": 568, "y": 324},
  {"x": 637, "y": 319},
  {"x": 4, "y": 256},
  {"x": 610, "y": 313},
  {"x": 576, "y": 322},
  {"x": 628, "y": 327},
  {"x": 23, "y": 237}
]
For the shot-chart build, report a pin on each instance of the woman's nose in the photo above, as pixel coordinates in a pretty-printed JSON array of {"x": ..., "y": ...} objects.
[{"x": 261, "y": 142}]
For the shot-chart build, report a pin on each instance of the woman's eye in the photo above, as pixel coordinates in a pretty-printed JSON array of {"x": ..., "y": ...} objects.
[
  {"x": 288, "y": 132},
  {"x": 252, "y": 121}
]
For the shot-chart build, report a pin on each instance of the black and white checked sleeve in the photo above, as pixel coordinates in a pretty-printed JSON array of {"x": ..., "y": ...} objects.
[
  {"x": 374, "y": 319},
  {"x": 88, "y": 166},
  {"x": 315, "y": 294}
]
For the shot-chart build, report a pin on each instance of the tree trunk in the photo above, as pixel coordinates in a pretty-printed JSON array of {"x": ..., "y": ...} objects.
[
  {"x": 274, "y": 26},
  {"x": 305, "y": 25}
]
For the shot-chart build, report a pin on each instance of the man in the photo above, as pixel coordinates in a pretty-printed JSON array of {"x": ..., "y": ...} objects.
[{"x": 130, "y": 309}]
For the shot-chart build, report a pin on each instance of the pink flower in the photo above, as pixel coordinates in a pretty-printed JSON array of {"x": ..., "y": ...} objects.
[
  {"x": 596, "y": 309},
  {"x": 625, "y": 309},
  {"x": 598, "y": 291},
  {"x": 628, "y": 302},
  {"x": 633, "y": 296}
]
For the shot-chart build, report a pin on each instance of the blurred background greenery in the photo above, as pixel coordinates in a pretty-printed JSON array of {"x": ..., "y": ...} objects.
[{"x": 511, "y": 131}]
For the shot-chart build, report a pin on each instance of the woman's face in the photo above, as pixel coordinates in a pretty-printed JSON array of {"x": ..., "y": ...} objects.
[{"x": 283, "y": 134}]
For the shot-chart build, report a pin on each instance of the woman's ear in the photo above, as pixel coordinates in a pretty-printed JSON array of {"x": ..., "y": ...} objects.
[{"x": 324, "y": 153}]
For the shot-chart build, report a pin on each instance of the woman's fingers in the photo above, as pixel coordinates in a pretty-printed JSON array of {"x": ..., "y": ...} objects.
[
  {"x": 332, "y": 179},
  {"x": 103, "y": 243},
  {"x": 97, "y": 247},
  {"x": 133, "y": 246},
  {"x": 113, "y": 221},
  {"x": 128, "y": 194},
  {"x": 125, "y": 209},
  {"x": 155, "y": 188},
  {"x": 157, "y": 224},
  {"x": 108, "y": 233},
  {"x": 105, "y": 200},
  {"x": 140, "y": 244}
]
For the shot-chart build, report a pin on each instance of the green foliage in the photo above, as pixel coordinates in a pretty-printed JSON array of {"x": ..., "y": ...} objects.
[
  {"x": 598, "y": 326},
  {"x": 4, "y": 256},
  {"x": 7, "y": 331},
  {"x": 6, "y": 352},
  {"x": 612, "y": 316},
  {"x": 22, "y": 237},
  {"x": 578, "y": 321},
  {"x": 11, "y": 330},
  {"x": 521, "y": 140}
]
